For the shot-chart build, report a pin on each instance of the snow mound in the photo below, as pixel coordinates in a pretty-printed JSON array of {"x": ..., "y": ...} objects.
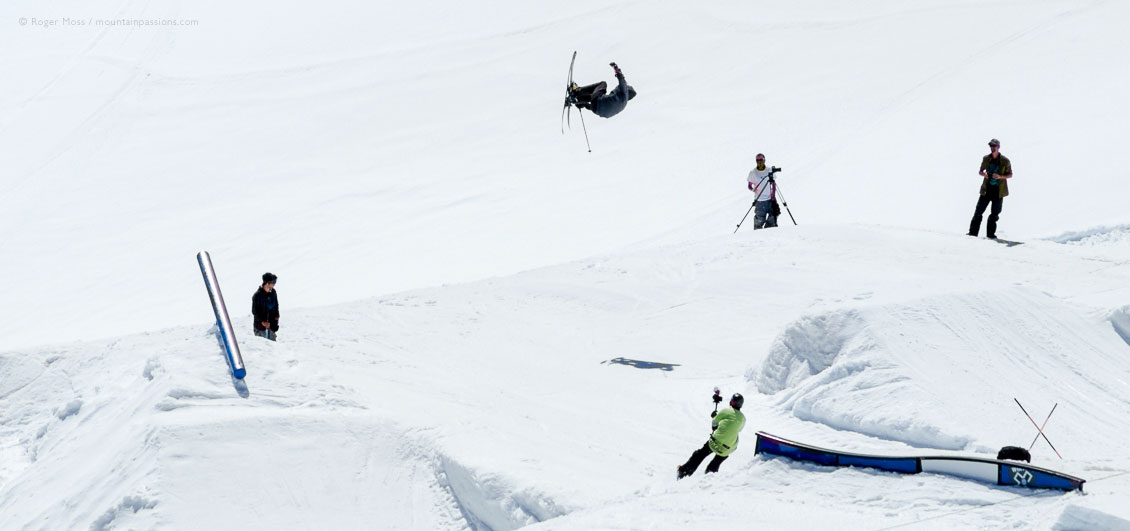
[
  {"x": 1105, "y": 236},
  {"x": 1075, "y": 517},
  {"x": 939, "y": 372},
  {"x": 168, "y": 422}
]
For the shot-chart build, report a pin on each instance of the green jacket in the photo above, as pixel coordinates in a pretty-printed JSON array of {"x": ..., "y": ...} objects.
[
  {"x": 1005, "y": 169},
  {"x": 726, "y": 427}
]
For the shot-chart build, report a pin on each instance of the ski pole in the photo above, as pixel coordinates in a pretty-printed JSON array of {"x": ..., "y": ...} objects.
[
  {"x": 1042, "y": 427},
  {"x": 586, "y": 130},
  {"x": 1041, "y": 431}
]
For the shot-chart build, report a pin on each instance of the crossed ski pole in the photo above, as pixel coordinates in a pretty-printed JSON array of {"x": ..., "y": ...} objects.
[{"x": 1040, "y": 429}]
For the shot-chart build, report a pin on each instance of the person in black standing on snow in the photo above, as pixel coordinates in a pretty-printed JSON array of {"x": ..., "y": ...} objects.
[
  {"x": 265, "y": 308},
  {"x": 996, "y": 170},
  {"x": 597, "y": 99}
]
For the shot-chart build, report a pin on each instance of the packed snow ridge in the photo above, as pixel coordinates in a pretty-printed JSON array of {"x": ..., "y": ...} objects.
[{"x": 492, "y": 405}]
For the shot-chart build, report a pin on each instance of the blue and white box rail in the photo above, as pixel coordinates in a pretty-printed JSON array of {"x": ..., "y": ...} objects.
[{"x": 1011, "y": 473}]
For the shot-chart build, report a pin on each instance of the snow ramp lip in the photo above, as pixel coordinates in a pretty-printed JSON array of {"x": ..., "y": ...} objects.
[{"x": 992, "y": 471}]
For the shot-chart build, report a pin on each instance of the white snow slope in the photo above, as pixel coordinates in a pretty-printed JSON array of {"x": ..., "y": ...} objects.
[{"x": 366, "y": 151}]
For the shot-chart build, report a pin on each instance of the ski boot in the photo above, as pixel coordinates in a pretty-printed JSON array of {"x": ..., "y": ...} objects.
[{"x": 571, "y": 98}]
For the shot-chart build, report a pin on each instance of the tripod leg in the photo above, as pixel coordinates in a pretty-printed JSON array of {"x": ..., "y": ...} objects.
[
  {"x": 745, "y": 216},
  {"x": 786, "y": 204}
]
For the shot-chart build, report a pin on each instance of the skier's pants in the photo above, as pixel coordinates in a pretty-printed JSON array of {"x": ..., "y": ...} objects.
[
  {"x": 994, "y": 214},
  {"x": 698, "y": 456},
  {"x": 588, "y": 93},
  {"x": 763, "y": 215}
]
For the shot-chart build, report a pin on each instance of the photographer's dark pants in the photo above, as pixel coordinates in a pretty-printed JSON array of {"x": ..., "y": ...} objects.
[
  {"x": 763, "y": 215},
  {"x": 982, "y": 202},
  {"x": 696, "y": 459}
]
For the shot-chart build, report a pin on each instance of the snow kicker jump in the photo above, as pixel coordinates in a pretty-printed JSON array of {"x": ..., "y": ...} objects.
[
  {"x": 993, "y": 471},
  {"x": 227, "y": 335}
]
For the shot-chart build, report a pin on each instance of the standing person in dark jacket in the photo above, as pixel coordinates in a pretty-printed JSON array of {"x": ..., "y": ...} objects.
[
  {"x": 597, "y": 99},
  {"x": 265, "y": 308},
  {"x": 996, "y": 170},
  {"x": 723, "y": 441}
]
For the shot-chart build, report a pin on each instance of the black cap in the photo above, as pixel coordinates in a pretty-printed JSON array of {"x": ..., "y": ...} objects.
[
  {"x": 269, "y": 278},
  {"x": 995, "y": 142}
]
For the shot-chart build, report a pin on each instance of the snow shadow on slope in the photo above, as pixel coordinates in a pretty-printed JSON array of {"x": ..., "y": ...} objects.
[
  {"x": 1120, "y": 320},
  {"x": 641, "y": 364}
]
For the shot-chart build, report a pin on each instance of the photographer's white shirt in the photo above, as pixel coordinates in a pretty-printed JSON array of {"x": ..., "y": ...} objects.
[{"x": 764, "y": 191}]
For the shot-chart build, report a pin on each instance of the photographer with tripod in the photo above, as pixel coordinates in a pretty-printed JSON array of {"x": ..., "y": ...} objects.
[{"x": 762, "y": 183}]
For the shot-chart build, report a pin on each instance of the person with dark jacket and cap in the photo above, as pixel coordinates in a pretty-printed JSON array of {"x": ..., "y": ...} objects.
[
  {"x": 265, "y": 308},
  {"x": 995, "y": 170},
  {"x": 597, "y": 99},
  {"x": 723, "y": 441}
]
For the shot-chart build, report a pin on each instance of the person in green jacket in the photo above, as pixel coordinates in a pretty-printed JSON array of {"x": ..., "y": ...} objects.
[{"x": 727, "y": 423}]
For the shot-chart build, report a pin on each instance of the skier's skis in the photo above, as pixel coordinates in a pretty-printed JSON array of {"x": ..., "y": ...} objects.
[
  {"x": 568, "y": 96},
  {"x": 570, "y": 100}
]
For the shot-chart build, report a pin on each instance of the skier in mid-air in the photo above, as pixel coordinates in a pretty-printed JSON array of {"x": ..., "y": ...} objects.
[{"x": 597, "y": 99}]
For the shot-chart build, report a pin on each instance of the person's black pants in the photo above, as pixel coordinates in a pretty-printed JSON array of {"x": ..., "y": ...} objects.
[
  {"x": 994, "y": 215},
  {"x": 588, "y": 93},
  {"x": 696, "y": 459}
]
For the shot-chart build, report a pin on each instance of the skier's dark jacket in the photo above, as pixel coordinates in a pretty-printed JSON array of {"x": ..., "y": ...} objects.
[
  {"x": 265, "y": 307},
  {"x": 612, "y": 103}
]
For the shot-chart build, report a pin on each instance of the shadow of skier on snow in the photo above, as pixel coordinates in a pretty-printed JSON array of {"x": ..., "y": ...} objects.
[{"x": 640, "y": 364}]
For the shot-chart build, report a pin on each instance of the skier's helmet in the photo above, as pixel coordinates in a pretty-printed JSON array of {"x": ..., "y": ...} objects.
[{"x": 737, "y": 400}]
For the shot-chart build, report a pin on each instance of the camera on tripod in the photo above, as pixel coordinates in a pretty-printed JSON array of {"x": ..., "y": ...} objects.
[{"x": 773, "y": 170}]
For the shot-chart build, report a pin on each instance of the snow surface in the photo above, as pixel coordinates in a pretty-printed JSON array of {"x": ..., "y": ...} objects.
[{"x": 487, "y": 327}]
